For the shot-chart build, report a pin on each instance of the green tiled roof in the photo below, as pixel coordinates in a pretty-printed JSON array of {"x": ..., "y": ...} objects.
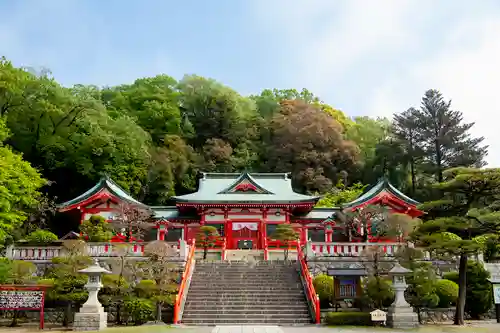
[
  {"x": 104, "y": 183},
  {"x": 319, "y": 213},
  {"x": 273, "y": 188},
  {"x": 381, "y": 186},
  {"x": 165, "y": 212}
]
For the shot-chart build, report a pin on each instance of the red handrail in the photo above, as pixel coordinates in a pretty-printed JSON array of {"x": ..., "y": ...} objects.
[
  {"x": 309, "y": 286},
  {"x": 185, "y": 275},
  {"x": 266, "y": 250},
  {"x": 224, "y": 246}
]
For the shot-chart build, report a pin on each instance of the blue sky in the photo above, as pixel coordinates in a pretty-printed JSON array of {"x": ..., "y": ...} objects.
[{"x": 366, "y": 57}]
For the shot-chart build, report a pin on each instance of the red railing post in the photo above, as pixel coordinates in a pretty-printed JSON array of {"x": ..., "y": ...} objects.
[
  {"x": 187, "y": 272},
  {"x": 309, "y": 286}
]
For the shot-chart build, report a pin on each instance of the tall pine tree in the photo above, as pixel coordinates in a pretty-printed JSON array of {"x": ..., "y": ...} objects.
[
  {"x": 404, "y": 130},
  {"x": 443, "y": 136}
]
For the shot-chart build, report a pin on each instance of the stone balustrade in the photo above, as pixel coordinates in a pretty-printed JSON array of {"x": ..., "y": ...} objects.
[
  {"x": 349, "y": 249},
  {"x": 43, "y": 253}
]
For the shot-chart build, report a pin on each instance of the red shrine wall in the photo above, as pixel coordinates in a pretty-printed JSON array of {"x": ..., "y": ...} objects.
[{"x": 236, "y": 223}]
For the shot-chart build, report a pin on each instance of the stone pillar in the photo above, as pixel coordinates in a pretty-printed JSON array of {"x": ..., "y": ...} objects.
[
  {"x": 183, "y": 249},
  {"x": 91, "y": 316},
  {"x": 9, "y": 251},
  {"x": 400, "y": 314},
  {"x": 309, "y": 250}
]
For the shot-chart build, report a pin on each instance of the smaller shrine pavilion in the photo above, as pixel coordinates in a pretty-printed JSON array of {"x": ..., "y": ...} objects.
[{"x": 245, "y": 208}]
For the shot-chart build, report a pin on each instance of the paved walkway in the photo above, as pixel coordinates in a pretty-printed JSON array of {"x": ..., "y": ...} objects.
[{"x": 478, "y": 328}]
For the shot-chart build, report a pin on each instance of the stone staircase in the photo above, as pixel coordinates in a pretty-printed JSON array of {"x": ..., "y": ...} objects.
[{"x": 236, "y": 293}]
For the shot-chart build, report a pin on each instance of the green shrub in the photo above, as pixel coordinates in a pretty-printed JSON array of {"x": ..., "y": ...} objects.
[
  {"x": 96, "y": 229},
  {"x": 447, "y": 292},
  {"x": 323, "y": 284},
  {"x": 379, "y": 292},
  {"x": 479, "y": 296},
  {"x": 41, "y": 237},
  {"x": 140, "y": 310},
  {"x": 348, "y": 318}
]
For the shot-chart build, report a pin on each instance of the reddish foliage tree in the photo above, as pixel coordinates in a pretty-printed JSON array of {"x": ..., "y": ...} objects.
[{"x": 310, "y": 143}]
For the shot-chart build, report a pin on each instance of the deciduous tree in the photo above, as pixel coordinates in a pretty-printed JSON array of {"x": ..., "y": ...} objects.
[
  {"x": 310, "y": 143},
  {"x": 19, "y": 188}
]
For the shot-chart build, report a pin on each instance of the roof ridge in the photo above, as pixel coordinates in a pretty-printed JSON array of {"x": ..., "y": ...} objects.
[
  {"x": 238, "y": 174},
  {"x": 245, "y": 176}
]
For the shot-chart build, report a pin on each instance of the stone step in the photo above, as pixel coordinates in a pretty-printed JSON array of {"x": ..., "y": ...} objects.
[
  {"x": 249, "y": 315},
  {"x": 231, "y": 322},
  {"x": 233, "y": 270},
  {"x": 241, "y": 293},
  {"x": 261, "y": 263},
  {"x": 249, "y": 306},
  {"x": 260, "y": 319},
  {"x": 247, "y": 301},
  {"x": 236, "y": 277},
  {"x": 245, "y": 298},
  {"x": 238, "y": 286},
  {"x": 247, "y": 281},
  {"x": 245, "y": 266},
  {"x": 251, "y": 273},
  {"x": 243, "y": 287},
  {"x": 245, "y": 312},
  {"x": 245, "y": 292},
  {"x": 232, "y": 274},
  {"x": 272, "y": 303}
]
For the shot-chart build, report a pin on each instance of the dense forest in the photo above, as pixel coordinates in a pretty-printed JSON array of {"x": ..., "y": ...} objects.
[{"x": 153, "y": 137}]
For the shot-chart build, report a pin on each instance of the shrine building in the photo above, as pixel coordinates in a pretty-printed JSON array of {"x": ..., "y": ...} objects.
[{"x": 245, "y": 208}]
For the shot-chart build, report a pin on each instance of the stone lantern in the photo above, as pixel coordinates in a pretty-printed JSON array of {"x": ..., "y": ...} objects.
[
  {"x": 400, "y": 314},
  {"x": 91, "y": 316}
]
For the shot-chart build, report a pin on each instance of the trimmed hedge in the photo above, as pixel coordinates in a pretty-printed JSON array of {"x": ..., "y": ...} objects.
[
  {"x": 323, "y": 285},
  {"x": 447, "y": 291},
  {"x": 349, "y": 318}
]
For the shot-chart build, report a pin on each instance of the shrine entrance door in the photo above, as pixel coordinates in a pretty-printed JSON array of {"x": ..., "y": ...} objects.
[{"x": 245, "y": 234}]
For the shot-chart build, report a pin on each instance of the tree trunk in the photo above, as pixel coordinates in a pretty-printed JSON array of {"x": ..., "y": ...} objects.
[
  {"x": 412, "y": 163},
  {"x": 15, "y": 314},
  {"x": 67, "y": 314},
  {"x": 462, "y": 285},
  {"x": 439, "y": 161},
  {"x": 158, "y": 312},
  {"x": 118, "y": 313},
  {"x": 205, "y": 252}
]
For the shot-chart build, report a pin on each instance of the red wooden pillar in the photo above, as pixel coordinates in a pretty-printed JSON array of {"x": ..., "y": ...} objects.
[
  {"x": 228, "y": 228},
  {"x": 328, "y": 233},
  {"x": 287, "y": 215},
  {"x": 303, "y": 237},
  {"x": 202, "y": 212},
  {"x": 263, "y": 231}
]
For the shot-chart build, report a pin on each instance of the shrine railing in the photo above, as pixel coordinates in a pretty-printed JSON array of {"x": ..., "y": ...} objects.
[
  {"x": 180, "y": 299},
  {"x": 273, "y": 244},
  {"x": 108, "y": 249},
  {"x": 307, "y": 281},
  {"x": 351, "y": 249}
]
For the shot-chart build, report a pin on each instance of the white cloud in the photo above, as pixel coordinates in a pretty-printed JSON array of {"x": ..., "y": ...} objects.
[
  {"x": 379, "y": 57},
  {"x": 467, "y": 73}
]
